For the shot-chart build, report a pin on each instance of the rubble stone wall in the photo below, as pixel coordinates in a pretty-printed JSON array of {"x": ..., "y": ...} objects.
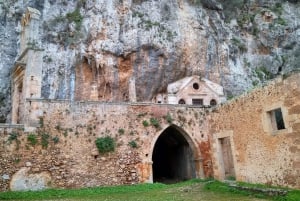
[
  {"x": 65, "y": 154},
  {"x": 261, "y": 153}
]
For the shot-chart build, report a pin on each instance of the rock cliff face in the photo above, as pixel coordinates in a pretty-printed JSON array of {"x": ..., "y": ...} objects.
[{"x": 102, "y": 44}]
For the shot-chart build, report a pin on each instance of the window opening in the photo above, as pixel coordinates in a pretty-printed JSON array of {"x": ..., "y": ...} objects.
[
  {"x": 181, "y": 101},
  {"x": 213, "y": 102},
  {"x": 277, "y": 120},
  {"x": 197, "y": 101},
  {"x": 196, "y": 86}
]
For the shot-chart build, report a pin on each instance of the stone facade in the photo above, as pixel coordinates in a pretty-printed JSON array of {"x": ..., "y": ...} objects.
[
  {"x": 261, "y": 151},
  {"x": 195, "y": 90},
  {"x": 236, "y": 139},
  {"x": 74, "y": 160}
]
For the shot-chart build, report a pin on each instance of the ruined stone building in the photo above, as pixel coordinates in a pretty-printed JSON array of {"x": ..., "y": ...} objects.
[{"x": 252, "y": 138}]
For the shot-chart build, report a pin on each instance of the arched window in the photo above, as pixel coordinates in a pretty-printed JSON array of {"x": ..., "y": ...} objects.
[
  {"x": 196, "y": 86},
  {"x": 181, "y": 101},
  {"x": 213, "y": 102}
]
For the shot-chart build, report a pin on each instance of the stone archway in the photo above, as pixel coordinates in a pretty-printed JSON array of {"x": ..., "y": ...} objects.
[{"x": 174, "y": 157}]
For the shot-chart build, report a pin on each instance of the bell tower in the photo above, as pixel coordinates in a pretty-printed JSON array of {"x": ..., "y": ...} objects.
[{"x": 27, "y": 71}]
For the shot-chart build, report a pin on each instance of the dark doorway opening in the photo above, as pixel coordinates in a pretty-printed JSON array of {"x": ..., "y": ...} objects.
[{"x": 172, "y": 158}]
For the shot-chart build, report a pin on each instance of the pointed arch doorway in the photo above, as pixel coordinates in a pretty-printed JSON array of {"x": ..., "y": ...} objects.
[{"x": 173, "y": 156}]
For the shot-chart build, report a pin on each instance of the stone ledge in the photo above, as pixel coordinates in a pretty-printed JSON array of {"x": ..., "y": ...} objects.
[
  {"x": 3, "y": 125},
  {"x": 265, "y": 191},
  {"x": 113, "y": 103}
]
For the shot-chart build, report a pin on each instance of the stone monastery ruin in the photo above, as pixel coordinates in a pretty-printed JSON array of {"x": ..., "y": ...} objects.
[{"x": 189, "y": 132}]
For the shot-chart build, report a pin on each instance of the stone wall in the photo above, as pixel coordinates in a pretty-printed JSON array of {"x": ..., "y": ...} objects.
[
  {"x": 65, "y": 154},
  {"x": 262, "y": 153}
]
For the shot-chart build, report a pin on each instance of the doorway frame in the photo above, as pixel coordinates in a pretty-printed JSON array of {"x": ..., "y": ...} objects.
[
  {"x": 219, "y": 169},
  {"x": 198, "y": 161}
]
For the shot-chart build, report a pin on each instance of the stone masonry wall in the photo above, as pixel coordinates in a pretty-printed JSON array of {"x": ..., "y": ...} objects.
[
  {"x": 66, "y": 155},
  {"x": 261, "y": 154}
]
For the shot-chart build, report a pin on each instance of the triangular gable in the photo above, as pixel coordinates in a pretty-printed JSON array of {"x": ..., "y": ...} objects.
[
  {"x": 188, "y": 81},
  {"x": 214, "y": 87},
  {"x": 177, "y": 86}
]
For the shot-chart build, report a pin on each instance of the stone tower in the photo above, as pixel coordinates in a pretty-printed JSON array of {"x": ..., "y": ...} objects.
[{"x": 27, "y": 71}]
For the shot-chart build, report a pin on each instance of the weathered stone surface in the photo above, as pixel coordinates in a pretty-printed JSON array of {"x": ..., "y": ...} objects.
[
  {"x": 74, "y": 160},
  {"x": 23, "y": 180},
  {"x": 153, "y": 42},
  {"x": 261, "y": 153},
  {"x": 5, "y": 177}
]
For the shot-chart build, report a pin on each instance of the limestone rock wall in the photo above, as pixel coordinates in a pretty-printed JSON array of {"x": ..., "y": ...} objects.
[
  {"x": 155, "y": 42},
  {"x": 261, "y": 152}
]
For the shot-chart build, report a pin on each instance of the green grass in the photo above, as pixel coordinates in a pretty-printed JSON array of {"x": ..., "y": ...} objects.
[
  {"x": 193, "y": 190},
  {"x": 220, "y": 187}
]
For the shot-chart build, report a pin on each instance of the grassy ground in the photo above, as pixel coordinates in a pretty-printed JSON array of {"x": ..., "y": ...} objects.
[{"x": 193, "y": 190}]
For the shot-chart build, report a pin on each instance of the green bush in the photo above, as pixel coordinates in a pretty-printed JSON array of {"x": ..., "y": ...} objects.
[
  {"x": 263, "y": 73},
  {"x": 145, "y": 123},
  {"x": 169, "y": 118},
  {"x": 154, "y": 122},
  {"x": 280, "y": 21},
  {"x": 32, "y": 139},
  {"x": 105, "y": 144},
  {"x": 133, "y": 144},
  {"x": 55, "y": 139},
  {"x": 76, "y": 17},
  {"x": 242, "y": 47},
  {"x": 45, "y": 140},
  {"x": 13, "y": 136}
]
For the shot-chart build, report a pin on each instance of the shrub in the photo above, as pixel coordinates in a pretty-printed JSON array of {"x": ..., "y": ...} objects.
[
  {"x": 263, "y": 73},
  {"x": 281, "y": 21},
  {"x": 145, "y": 123},
  {"x": 65, "y": 133},
  {"x": 55, "y": 139},
  {"x": 76, "y": 17},
  {"x": 44, "y": 140},
  {"x": 13, "y": 136},
  {"x": 169, "y": 118},
  {"x": 142, "y": 114},
  {"x": 105, "y": 144},
  {"x": 154, "y": 122},
  {"x": 242, "y": 47},
  {"x": 133, "y": 144},
  {"x": 32, "y": 139}
]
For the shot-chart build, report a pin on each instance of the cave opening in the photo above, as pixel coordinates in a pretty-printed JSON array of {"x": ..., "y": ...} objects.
[{"x": 172, "y": 157}]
